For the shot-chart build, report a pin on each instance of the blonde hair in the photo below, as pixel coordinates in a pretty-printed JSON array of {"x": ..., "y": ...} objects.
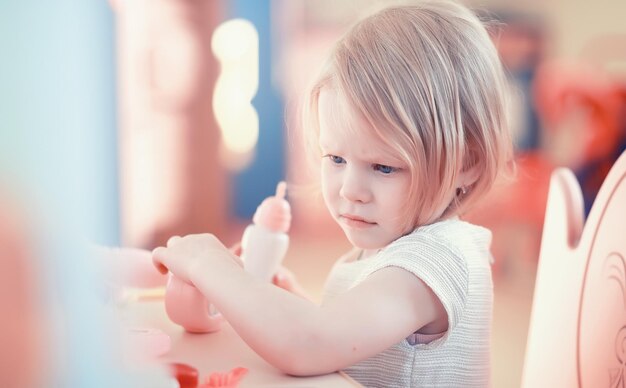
[{"x": 428, "y": 80}]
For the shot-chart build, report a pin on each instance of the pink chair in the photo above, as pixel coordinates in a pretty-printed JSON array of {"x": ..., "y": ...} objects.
[{"x": 577, "y": 334}]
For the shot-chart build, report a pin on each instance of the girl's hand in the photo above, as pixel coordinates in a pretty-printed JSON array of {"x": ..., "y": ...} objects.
[
  {"x": 286, "y": 280},
  {"x": 235, "y": 249},
  {"x": 185, "y": 256}
]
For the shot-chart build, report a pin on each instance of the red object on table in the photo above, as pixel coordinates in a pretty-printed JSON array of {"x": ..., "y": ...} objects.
[
  {"x": 186, "y": 375},
  {"x": 225, "y": 380}
]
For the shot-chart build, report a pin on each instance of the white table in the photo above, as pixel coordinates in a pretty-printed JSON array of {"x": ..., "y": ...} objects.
[{"x": 221, "y": 351}]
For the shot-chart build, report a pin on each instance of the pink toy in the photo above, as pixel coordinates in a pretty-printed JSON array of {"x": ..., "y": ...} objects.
[
  {"x": 186, "y": 306},
  {"x": 265, "y": 242},
  {"x": 264, "y": 245}
]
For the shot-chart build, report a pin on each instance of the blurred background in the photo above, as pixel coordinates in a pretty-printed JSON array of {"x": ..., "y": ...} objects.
[{"x": 129, "y": 121}]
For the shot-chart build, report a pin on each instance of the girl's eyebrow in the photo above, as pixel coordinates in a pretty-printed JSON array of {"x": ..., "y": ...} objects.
[
  {"x": 385, "y": 158},
  {"x": 324, "y": 145}
]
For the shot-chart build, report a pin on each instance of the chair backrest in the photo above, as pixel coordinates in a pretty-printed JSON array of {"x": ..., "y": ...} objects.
[{"x": 577, "y": 334}]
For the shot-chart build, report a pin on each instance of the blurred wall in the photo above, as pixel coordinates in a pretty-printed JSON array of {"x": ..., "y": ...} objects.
[
  {"x": 57, "y": 110},
  {"x": 572, "y": 24},
  {"x": 172, "y": 182}
]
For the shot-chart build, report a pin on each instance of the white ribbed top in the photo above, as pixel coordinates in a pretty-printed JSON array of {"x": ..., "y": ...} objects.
[{"x": 452, "y": 257}]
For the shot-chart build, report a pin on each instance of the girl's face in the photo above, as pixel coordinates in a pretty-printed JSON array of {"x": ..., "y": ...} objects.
[{"x": 364, "y": 183}]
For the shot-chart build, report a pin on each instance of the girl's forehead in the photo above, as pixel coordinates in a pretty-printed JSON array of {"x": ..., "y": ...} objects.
[
  {"x": 337, "y": 118},
  {"x": 343, "y": 129},
  {"x": 335, "y": 112}
]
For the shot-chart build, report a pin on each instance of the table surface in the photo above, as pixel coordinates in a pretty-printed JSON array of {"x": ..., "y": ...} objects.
[{"x": 221, "y": 351}]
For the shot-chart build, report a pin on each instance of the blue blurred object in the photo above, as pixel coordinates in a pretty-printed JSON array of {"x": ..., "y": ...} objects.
[
  {"x": 259, "y": 180},
  {"x": 529, "y": 138},
  {"x": 57, "y": 104},
  {"x": 58, "y": 144}
]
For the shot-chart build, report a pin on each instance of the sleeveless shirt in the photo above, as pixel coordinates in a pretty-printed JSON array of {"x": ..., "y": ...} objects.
[{"x": 451, "y": 257}]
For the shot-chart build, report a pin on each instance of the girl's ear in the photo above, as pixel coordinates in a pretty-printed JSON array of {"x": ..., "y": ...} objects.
[{"x": 468, "y": 176}]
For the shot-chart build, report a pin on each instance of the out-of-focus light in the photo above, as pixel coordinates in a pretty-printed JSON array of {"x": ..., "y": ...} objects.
[
  {"x": 233, "y": 39},
  {"x": 244, "y": 132},
  {"x": 235, "y": 43}
]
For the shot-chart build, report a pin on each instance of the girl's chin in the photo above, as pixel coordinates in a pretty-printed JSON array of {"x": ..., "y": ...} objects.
[
  {"x": 363, "y": 242},
  {"x": 369, "y": 238}
]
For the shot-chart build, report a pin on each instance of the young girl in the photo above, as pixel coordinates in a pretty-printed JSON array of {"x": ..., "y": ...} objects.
[{"x": 409, "y": 120}]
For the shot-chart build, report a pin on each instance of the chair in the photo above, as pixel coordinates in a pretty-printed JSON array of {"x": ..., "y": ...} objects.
[{"x": 577, "y": 333}]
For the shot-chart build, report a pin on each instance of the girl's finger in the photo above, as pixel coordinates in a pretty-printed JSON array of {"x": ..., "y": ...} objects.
[
  {"x": 172, "y": 240},
  {"x": 236, "y": 249},
  {"x": 161, "y": 268},
  {"x": 282, "y": 281},
  {"x": 156, "y": 260}
]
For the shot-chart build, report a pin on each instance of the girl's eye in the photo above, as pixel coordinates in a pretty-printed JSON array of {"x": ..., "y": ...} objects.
[
  {"x": 385, "y": 169},
  {"x": 336, "y": 159}
]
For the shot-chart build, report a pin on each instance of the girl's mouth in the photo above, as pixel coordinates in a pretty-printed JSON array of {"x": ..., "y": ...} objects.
[{"x": 355, "y": 222}]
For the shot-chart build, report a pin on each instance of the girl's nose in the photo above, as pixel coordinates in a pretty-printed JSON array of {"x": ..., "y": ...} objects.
[{"x": 354, "y": 187}]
